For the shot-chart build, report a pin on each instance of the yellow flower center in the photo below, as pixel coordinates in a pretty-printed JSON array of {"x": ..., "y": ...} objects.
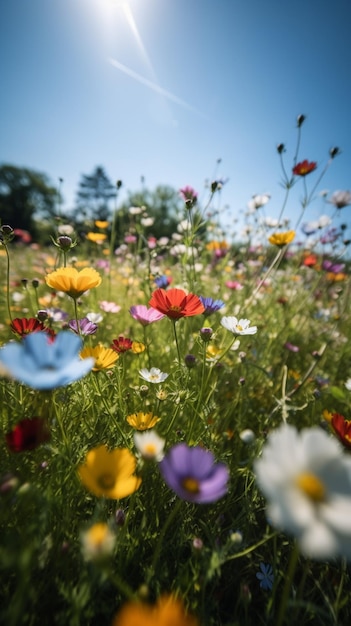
[
  {"x": 191, "y": 484},
  {"x": 239, "y": 327},
  {"x": 150, "y": 449},
  {"x": 106, "y": 481},
  {"x": 175, "y": 308},
  {"x": 312, "y": 486}
]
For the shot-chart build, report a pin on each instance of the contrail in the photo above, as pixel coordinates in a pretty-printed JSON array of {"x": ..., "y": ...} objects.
[{"x": 154, "y": 86}]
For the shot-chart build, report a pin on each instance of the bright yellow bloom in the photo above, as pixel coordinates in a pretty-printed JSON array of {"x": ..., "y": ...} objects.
[
  {"x": 96, "y": 237},
  {"x": 101, "y": 223},
  {"x": 138, "y": 347},
  {"x": 73, "y": 282},
  {"x": 109, "y": 473},
  {"x": 105, "y": 358},
  {"x": 282, "y": 239},
  {"x": 217, "y": 245},
  {"x": 168, "y": 611},
  {"x": 142, "y": 421}
]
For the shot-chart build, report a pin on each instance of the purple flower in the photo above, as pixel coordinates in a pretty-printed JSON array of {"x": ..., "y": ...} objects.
[
  {"x": 163, "y": 281},
  {"x": 83, "y": 327},
  {"x": 265, "y": 576},
  {"x": 193, "y": 474},
  {"x": 145, "y": 316},
  {"x": 291, "y": 347},
  {"x": 335, "y": 268},
  {"x": 211, "y": 305}
]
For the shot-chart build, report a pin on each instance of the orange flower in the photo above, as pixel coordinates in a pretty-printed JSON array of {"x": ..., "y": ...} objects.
[
  {"x": 282, "y": 239},
  {"x": 96, "y": 237},
  {"x": 73, "y": 282},
  {"x": 168, "y": 611},
  {"x": 101, "y": 224},
  {"x": 342, "y": 428},
  {"x": 175, "y": 303},
  {"x": 304, "y": 167}
]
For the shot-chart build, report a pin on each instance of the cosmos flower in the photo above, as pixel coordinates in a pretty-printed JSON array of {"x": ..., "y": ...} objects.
[
  {"x": 340, "y": 199},
  {"x": 189, "y": 195},
  {"x": 109, "y": 307},
  {"x": 306, "y": 480},
  {"x": 42, "y": 363},
  {"x": 193, "y": 474},
  {"x": 168, "y": 611},
  {"x": 83, "y": 327},
  {"x": 28, "y": 434},
  {"x": 149, "y": 445},
  {"x": 211, "y": 305},
  {"x": 73, "y": 282},
  {"x": 145, "y": 316},
  {"x": 154, "y": 375},
  {"x": 342, "y": 429},
  {"x": 22, "y": 326},
  {"x": 282, "y": 239},
  {"x": 175, "y": 303},
  {"x": 109, "y": 473},
  {"x": 304, "y": 167},
  {"x": 142, "y": 421},
  {"x": 122, "y": 344},
  {"x": 258, "y": 200},
  {"x": 238, "y": 327},
  {"x": 105, "y": 358}
]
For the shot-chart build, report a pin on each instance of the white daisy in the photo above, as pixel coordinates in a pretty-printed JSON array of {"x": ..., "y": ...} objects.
[
  {"x": 238, "y": 327},
  {"x": 149, "y": 444},
  {"x": 154, "y": 375},
  {"x": 306, "y": 478}
]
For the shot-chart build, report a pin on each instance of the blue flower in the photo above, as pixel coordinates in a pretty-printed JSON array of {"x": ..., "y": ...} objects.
[
  {"x": 42, "y": 363},
  {"x": 266, "y": 576},
  {"x": 162, "y": 282},
  {"x": 211, "y": 305}
]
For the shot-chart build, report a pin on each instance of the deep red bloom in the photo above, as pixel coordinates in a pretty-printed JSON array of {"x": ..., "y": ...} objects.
[
  {"x": 310, "y": 260},
  {"x": 24, "y": 325},
  {"x": 28, "y": 434},
  {"x": 342, "y": 429},
  {"x": 175, "y": 303},
  {"x": 304, "y": 167},
  {"x": 122, "y": 344}
]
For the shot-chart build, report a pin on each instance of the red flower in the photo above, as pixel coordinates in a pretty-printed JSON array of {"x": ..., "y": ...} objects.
[
  {"x": 342, "y": 429},
  {"x": 28, "y": 434},
  {"x": 25, "y": 325},
  {"x": 175, "y": 303},
  {"x": 122, "y": 344},
  {"x": 310, "y": 260},
  {"x": 304, "y": 167}
]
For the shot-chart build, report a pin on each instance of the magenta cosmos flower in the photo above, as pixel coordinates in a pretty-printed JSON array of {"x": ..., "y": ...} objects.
[
  {"x": 193, "y": 474},
  {"x": 145, "y": 316}
]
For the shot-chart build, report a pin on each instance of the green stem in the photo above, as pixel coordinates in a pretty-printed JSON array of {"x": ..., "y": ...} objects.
[
  {"x": 8, "y": 281},
  {"x": 294, "y": 557},
  {"x": 162, "y": 534}
]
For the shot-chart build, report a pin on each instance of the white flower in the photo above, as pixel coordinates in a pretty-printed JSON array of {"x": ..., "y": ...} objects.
[
  {"x": 348, "y": 384},
  {"x": 323, "y": 221},
  {"x": 96, "y": 318},
  {"x": 98, "y": 542},
  {"x": 340, "y": 199},
  {"x": 147, "y": 221},
  {"x": 247, "y": 435},
  {"x": 306, "y": 478},
  {"x": 135, "y": 210},
  {"x": 258, "y": 200},
  {"x": 154, "y": 375},
  {"x": 238, "y": 327},
  {"x": 149, "y": 444},
  {"x": 65, "y": 229}
]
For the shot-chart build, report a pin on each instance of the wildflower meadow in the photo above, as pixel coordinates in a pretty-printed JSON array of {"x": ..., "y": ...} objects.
[{"x": 176, "y": 415}]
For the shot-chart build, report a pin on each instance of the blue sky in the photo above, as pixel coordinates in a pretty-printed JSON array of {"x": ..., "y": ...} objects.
[{"x": 164, "y": 88}]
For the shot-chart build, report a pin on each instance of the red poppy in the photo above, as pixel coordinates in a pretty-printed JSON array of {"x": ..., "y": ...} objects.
[
  {"x": 342, "y": 429},
  {"x": 28, "y": 434},
  {"x": 25, "y": 325},
  {"x": 175, "y": 303},
  {"x": 310, "y": 260},
  {"x": 122, "y": 344},
  {"x": 304, "y": 167}
]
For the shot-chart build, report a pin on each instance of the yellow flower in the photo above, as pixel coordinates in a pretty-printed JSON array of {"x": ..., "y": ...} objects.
[
  {"x": 142, "y": 421},
  {"x": 138, "y": 347},
  {"x": 101, "y": 223},
  {"x": 73, "y": 282},
  {"x": 282, "y": 239},
  {"x": 105, "y": 358},
  {"x": 109, "y": 473},
  {"x": 98, "y": 542},
  {"x": 168, "y": 611},
  {"x": 96, "y": 237}
]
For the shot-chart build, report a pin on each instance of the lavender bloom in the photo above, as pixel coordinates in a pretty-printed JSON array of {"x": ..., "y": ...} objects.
[
  {"x": 145, "y": 316},
  {"x": 44, "y": 364},
  {"x": 340, "y": 199},
  {"x": 211, "y": 305},
  {"x": 335, "y": 268},
  {"x": 83, "y": 327},
  {"x": 193, "y": 474}
]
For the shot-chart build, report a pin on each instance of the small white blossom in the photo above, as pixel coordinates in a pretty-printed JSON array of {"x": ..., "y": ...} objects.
[
  {"x": 154, "y": 375},
  {"x": 340, "y": 199},
  {"x": 348, "y": 384},
  {"x": 306, "y": 478},
  {"x": 238, "y": 327},
  {"x": 149, "y": 445},
  {"x": 258, "y": 200},
  {"x": 96, "y": 318},
  {"x": 98, "y": 542}
]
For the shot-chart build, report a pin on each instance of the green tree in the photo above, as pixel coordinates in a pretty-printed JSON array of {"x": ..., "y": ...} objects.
[
  {"x": 25, "y": 195},
  {"x": 95, "y": 194}
]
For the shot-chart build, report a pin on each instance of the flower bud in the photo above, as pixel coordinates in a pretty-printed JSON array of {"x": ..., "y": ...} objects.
[
  {"x": 280, "y": 148},
  {"x": 333, "y": 152},
  {"x": 35, "y": 283},
  {"x": 300, "y": 120},
  {"x": 190, "y": 360},
  {"x": 206, "y": 334}
]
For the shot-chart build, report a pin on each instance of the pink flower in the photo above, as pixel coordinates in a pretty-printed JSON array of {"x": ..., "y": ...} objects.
[
  {"x": 234, "y": 284},
  {"x": 145, "y": 316},
  {"x": 109, "y": 307}
]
